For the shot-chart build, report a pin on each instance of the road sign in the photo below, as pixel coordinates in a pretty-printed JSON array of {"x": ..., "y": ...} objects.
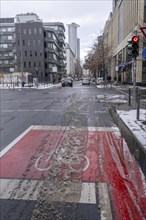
[
  {"x": 144, "y": 54},
  {"x": 143, "y": 30}
]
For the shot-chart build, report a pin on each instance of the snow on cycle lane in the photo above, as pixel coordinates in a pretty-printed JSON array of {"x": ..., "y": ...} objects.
[{"x": 86, "y": 166}]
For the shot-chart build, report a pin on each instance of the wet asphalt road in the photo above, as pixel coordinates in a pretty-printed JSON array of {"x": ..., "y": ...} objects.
[
  {"x": 23, "y": 108},
  {"x": 64, "y": 115}
]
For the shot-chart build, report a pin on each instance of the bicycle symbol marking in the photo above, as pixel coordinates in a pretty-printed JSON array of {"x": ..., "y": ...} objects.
[
  {"x": 49, "y": 155},
  {"x": 38, "y": 162}
]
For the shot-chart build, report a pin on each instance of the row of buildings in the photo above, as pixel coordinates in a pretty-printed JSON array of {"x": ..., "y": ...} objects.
[
  {"x": 30, "y": 45},
  {"x": 126, "y": 20}
]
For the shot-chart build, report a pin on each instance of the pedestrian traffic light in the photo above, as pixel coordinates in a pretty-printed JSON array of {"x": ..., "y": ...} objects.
[{"x": 135, "y": 46}]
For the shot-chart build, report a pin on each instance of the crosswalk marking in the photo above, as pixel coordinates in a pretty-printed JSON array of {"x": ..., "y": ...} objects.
[
  {"x": 104, "y": 202},
  {"x": 88, "y": 193}
]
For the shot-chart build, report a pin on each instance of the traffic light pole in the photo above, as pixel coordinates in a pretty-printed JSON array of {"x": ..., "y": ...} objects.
[{"x": 134, "y": 82}]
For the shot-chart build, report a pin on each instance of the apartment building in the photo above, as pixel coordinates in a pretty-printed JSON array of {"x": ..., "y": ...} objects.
[
  {"x": 29, "y": 44},
  {"x": 7, "y": 53},
  {"x": 33, "y": 46},
  {"x": 54, "y": 48},
  {"x": 125, "y": 21}
]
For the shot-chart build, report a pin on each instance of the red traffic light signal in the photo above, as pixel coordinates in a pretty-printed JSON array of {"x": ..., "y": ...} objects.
[{"x": 135, "y": 39}]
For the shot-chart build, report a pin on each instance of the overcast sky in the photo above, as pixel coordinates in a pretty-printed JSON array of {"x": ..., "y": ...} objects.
[{"x": 90, "y": 15}]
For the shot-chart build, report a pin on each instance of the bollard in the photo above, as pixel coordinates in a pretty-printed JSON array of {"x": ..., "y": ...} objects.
[
  {"x": 138, "y": 105},
  {"x": 129, "y": 97},
  {"x": 136, "y": 94}
]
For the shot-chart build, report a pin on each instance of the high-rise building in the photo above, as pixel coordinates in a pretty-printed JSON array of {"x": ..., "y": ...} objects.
[{"x": 72, "y": 38}]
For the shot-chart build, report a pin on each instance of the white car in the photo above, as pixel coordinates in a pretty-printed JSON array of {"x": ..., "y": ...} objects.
[
  {"x": 86, "y": 81},
  {"x": 99, "y": 81}
]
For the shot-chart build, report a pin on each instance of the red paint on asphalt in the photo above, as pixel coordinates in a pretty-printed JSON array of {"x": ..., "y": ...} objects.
[
  {"x": 19, "y": 161},
  {"x": 109, "y": 162}
]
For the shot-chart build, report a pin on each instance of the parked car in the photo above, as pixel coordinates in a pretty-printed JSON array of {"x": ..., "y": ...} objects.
[
  {"x": 99, "y": 81},
  {"x": 67, "y": 81},
  {"x": 86, "y": 81}
]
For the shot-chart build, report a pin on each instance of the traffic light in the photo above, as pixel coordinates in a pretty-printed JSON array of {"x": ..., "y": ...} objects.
[
  {"x": 129, "y": 47},
  {"x": 135, "y": 46}
]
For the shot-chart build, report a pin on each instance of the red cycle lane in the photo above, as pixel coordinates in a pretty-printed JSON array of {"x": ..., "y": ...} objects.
[
  {"x": 112, "y": 163},
  {"x": 107, "y": 160},
  {"x": 31, "y": 155}
]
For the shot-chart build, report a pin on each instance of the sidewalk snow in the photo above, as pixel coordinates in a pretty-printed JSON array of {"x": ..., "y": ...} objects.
[
  {"x": 27, "y": 86},
  {"x": 137, "y": 127}
]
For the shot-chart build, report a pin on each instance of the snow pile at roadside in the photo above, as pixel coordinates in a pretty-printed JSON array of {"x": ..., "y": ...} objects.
[
  {"x": 112, "y": 98},
  {"x": 137, "y": 127}
]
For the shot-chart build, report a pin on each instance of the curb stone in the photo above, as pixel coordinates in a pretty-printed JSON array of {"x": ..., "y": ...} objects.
[{"x": 134, "y": 145}]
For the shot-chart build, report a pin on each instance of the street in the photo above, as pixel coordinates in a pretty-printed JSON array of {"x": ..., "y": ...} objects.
[{"x": 63, "y": 158}]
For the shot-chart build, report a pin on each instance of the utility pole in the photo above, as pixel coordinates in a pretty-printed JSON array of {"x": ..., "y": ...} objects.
[{"x": 134, "y": 82}]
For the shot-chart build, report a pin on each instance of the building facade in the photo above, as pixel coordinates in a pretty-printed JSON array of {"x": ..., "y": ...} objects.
[
  {"x": 7, "y": 51},
  {"x": 71, "y": 61},
  {"x": 124, "y": 22},
  {"x": 72, "y": 39},
  {"x": 29, "y": 46},
  {"x": 33, "y": 46},
  {"x": 54, "y": 46}
]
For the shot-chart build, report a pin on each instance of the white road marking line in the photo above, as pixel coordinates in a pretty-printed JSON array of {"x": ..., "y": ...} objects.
[
  {"x": 53, "y": 110},
  {"x": 39, "y": 110},
  {"x": 104, "y": 201},
  {"x": 88, "y": 195},
  {"x": 22, "y": 189},
  {"x": 12, "y": 144},
  {"x": 45, "y": 127},
  {"x": 7, "y": 110},
  {"x": 23, "y": 110}
]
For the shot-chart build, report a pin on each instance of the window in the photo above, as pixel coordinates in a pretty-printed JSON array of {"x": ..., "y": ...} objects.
[
  {"x": 49, "y": 34},
  {"x": 41, "y": 54},
  {"x": 9, "y": 29},
  {"x": 9, "y": 37},
  {"x": 10, "y": 54},
  {"x": 39, "y": 63},
  {"x": 29, "y": 64},
  {"x": 24, "y": 31},
  {"x": 29, "y": 30},
  {"x": 3, "y": 45},
  {"x": 25, "y": 53},
  {"x": 36, "y": 53},
  {"x": 30, "y": 53},
  {"x": 35, "y": 31},
  {"x": 24, "y": 64},
  {"x": 40, "y": 30},
  {"x": 50, "y": 65},
  {"x": 39, "y": 42},
  {"x": 28, "y": 42},
  {"x": 34, "y": 64},
  {"x": 18, "y": 43},
  {"x": 23, "y": 42},
  {"x": 3, "y": 29},
  {"x": 34, "y": 43}
]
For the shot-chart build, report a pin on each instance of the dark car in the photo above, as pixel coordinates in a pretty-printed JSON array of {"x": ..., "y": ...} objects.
[{"x": 67, "y": 81}]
